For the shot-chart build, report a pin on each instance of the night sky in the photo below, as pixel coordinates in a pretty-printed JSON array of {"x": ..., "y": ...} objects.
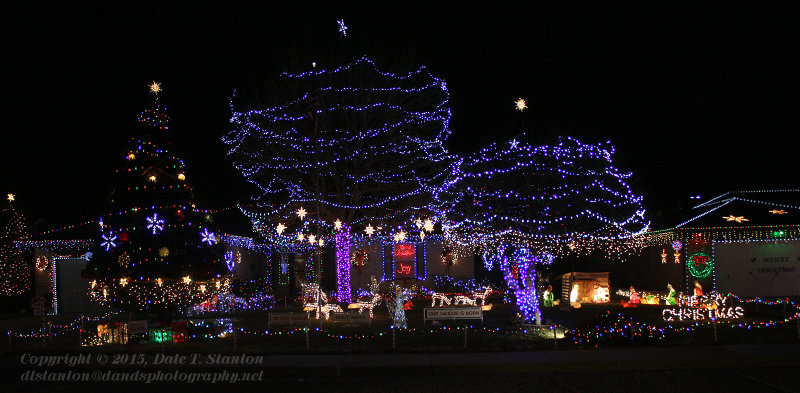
[{"x": 697, "y": 99}]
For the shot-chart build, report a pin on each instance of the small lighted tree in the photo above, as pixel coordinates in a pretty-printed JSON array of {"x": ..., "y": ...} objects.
[
  {"x": 15, "y": 275},
  {"x": 524, "y": 205},
  {"x": 155, "y": 250}
]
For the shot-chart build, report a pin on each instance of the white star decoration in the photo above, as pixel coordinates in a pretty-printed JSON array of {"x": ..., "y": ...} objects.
[
  {"x": 400, "y": 236},
  {"x": 300, "y": 237},
  {"x": 11, "y": 197},
  {"x": 280, "y": 228},
  {"x": 521, "y": 104},
  {"x": 301, "y": 213},
  {"x": 155, "y": 88},
  {"x": 342, "y": 27},
  {"x": 514, "y": 143},
  {"x": 369, "y": 230},
  {"x": 428, "y": 225},
  {"x": 337, "y": 224},
  {"x": 312, "y": 239}
]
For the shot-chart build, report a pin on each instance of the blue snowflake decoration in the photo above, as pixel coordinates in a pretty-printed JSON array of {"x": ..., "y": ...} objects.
[
  {"x": 229, "y": 261},
  {"x": 155, "y": 224},
  {"x": 208, "y": 237},
  {"x": 109, "y": 241}
]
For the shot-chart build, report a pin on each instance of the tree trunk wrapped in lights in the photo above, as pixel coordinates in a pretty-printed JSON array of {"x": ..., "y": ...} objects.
[{"x": 526, "y": 205}]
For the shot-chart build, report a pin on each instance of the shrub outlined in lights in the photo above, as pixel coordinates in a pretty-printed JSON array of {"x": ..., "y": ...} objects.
[{"x": 526, "y": 204}]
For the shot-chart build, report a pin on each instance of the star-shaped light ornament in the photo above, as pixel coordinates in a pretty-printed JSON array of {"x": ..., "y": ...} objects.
[
  {"x": 739, "y": 219},
  {"x": 521, "y": 104},
  {"x": 369, "y": 230},
  {"x": 342, "y": 27},
  {"x": 123, "y": 282},
  {"x": 187, "y": 280},
  {"x": 321, "y": 242},
  {"x": 10, "y": 197},
  {"x": 428, "y": 225},
  {"x": 300, "y": 237},
  {"x": 301, "y": 212},
  {"x": 400, "y": 236},
  {"x": 208, "y": 237},
  {"x": 280, "y": 228},
  {"x": 155, "y": 88},
  {"x": 337, "y": 224},
  {"x": 312, "y": 239},
  {"x": 109, "y": 241},
  {"x": 514, "y": 143},
  {"x": 155, "y": 224}
]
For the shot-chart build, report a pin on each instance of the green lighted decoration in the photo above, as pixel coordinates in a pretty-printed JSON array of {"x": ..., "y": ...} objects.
[{"x": 700, "y": 265}]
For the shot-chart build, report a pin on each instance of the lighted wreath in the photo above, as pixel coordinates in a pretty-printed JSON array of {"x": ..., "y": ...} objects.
[
  {"x": 42, "y": 263},
  {"x": 448, "y": 257},
  {"x": 700, "y": 265},
  {"x": 359, "y": 259}
]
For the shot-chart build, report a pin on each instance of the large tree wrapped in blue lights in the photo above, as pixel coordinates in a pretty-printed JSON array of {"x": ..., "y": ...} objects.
[
  {"x": 525, "y": 205},
  {"x": 155, "y": 250},
  {"x": 352, "y": 144}
]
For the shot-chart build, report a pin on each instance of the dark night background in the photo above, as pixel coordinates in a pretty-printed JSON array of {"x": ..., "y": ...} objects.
[{"x": 697, "y": 98}]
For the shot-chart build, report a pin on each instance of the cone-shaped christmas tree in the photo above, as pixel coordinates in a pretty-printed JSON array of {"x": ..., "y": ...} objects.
[
  {"x": 15, "y": 277},
  {"x": 156, "y": 251}
]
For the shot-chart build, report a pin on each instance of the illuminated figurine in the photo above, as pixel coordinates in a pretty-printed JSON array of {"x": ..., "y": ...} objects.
[
  {"x": 573, "y": 295},
  {"x": 698, "y": 289},
  {"x": 671, "y": 296},
  {"x": 634, "y": 295},
  {"x": 548, "y": 296},
  {"x": 397, "y": 308}
]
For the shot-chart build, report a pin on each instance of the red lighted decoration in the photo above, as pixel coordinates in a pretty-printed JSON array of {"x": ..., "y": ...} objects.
[
  {"x": 404, "y": 251},
  {"x": 404, "y": 260},
  {"x": 404, "y": 269}
]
